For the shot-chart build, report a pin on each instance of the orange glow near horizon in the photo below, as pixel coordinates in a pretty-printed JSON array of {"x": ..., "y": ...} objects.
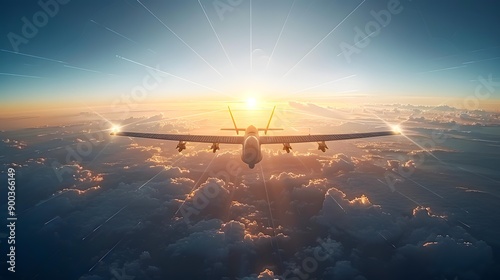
[{"x": 250, "y": 111}]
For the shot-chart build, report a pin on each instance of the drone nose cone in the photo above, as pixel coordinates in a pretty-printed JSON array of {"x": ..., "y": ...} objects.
[{"x": 251, "y": 129}]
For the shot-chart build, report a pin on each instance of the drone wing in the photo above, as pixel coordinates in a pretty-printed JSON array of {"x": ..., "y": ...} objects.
[
  {"x": 184, "y": 137},
  {"x": 321, "y": 137}
]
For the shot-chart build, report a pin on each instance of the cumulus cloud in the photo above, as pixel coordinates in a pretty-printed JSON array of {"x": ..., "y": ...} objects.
[
  {"x": 285, "y": 175},
  {"x": 343, "y": 270},
  {"x": 444, "y": 256},
  {"x": 340, "y": 163},
  {"x": 358, "y": 217},
  {"x": 140, "y": 268},
  {"x": 14, "y": 144}
]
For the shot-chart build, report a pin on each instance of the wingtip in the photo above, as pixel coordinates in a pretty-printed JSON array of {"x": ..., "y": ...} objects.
[{"x": 396, "y": 130}]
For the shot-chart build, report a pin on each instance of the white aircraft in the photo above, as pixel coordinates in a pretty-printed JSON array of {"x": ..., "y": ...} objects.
[{"x": 251, "y": 141}]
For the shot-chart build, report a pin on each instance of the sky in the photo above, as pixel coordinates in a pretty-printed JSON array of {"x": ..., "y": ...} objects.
[
  {"x": 98, "y": 51},
  {"x": 93, "y": 206}
]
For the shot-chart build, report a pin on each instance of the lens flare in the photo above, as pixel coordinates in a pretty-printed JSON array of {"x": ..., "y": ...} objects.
[
  {"x": 397, "y": 129},
  {"x": 115, "y": 129}
]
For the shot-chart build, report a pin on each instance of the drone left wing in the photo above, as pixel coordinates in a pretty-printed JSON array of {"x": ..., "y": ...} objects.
[{"x": 184, "y": 137}]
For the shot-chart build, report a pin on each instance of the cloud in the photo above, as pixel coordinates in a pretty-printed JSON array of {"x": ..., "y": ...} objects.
[
  {"x": 313, "y": 188},
  {"x": 14, "y": 144},
  {"x": 140, "y": 268},
  {"x": 317, "y": 201},
  {"x": 209, "y": 244},
  {"x": 208, "y": 252},
  {"x": 285, "y": 175},
  {"x": 339, "y": 163},
  {"x": 240, "y": 210},
  {"x": 444, "y": 256},
  {"x": 316, "y": 110},
  {"x": 233, "y": 231},
  {"x": 425, "y": 239},
  {"x": 264, "y": 275},
  {"x": 343, "y": 270},
  {"x": 357, "y": 217}
]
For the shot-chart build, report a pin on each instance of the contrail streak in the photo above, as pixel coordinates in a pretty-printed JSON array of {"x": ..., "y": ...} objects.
[
  {"x": 195, "y": 184},
  {"x": 88, "y": 70},
  {"x": 424, "y": 187},
  {"x": 107, "y": 220},
  {"x": 111, "y": 30},
  {"x": 151, "y": 179},
  {"x": 216, "y": 35},
  {"x": 444, "y": 69},
  {"x": 19, "y": 75},
  {"x": 83, "y": 69},
  {"x": 187, "y": 45},
  {"x": 409, "y": 198},
  {"x": 400, "y": 193},
  {"x": 281, "y": 32},
  {"x": 355, "y": 45},
  {"x": 107, "y": 253},
  {"x": 251, "y": 38},
  {"x": 423, "y": 148},
  {"x": 481, "y": 60},
  {"x": 119, "y": 34},
  {"x": 48, "y": 222},
  {"x": 172, "y": 75},
  {"x": 387, "y": 240},
  {"x": 478, "y": 50},
  {"x": 324, "y": 38},
  {"x": 271, "y": 214},
  {"x": 337, "y": 203},
  {"x": 464, "y": 224},
  {"x": 34, "y": 56},
  {"x": 268, "y": 202},
  {"x": 50, "y": 198}
]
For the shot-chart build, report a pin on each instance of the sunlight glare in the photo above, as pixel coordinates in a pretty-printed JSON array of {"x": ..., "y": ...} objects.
[
  {"x": 115, "y": 129},
  {"x": 251, "y": 102},
  {"x": 397, "y": 129}
]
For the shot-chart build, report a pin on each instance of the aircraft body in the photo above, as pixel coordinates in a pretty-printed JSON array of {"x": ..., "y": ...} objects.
[{"x": 251, "y": 141}]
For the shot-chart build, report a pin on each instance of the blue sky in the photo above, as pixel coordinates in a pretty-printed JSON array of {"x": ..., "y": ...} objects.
[{"x": 97, "y": 50}]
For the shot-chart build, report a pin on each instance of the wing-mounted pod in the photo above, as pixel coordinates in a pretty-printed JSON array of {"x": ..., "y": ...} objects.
[
  {"x": 322, "y": 146},
  {"x": 181, "y": 146},
  {"x": 287, "y": 147},
  {"x": 215, "y": 147}
]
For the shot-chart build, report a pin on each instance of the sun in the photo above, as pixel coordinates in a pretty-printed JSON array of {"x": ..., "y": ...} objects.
[{"x": 251, "y": 102}]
